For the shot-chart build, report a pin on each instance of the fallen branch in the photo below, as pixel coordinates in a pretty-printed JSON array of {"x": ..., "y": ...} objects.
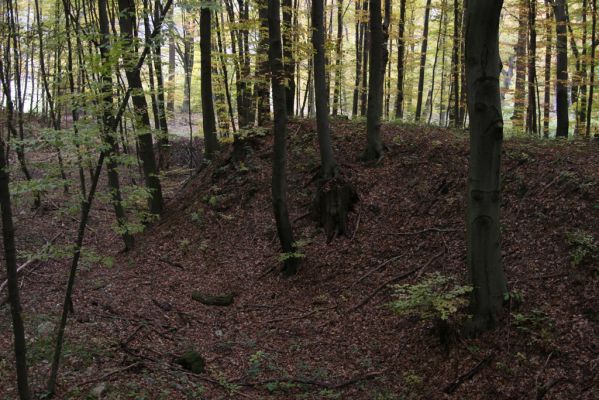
[
  {"x": 109, "y": 374},
  {"x": 442, "y": 230},
  {"x": 395, "y": 279},
  {"x": 452, "y": 387},
  {"x": 327, "y": 385},
  {"x": 306, "y": 315},
  {"x": 33, "y": 259}
]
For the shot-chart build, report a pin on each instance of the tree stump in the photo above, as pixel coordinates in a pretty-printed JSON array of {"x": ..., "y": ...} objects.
[{"x": 332, "y": 203}]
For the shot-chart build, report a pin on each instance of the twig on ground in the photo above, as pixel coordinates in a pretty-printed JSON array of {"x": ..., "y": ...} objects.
[
  {"x": 452, "y": 387},
  {"x": 109, "y": 374},
  {"x": 434, "y": 229},
  {"x": 357, "y": 225},
  {"x": 301, "y": 316},
  {"x": 327, "y": 385},
  {"x": 395, "y": 279},
  {"x": 33, "y": 259}
]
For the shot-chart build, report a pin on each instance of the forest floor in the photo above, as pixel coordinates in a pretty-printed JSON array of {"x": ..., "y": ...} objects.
[{"x": 327, "y": 332}]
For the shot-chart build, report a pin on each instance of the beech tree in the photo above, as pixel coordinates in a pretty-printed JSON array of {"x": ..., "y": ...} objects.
[
  {"x": 279, "y": 166},
  {"x": 486, "y": 136},
  {"x": 561, "y": 69},
  {"x": 374, "y": 147},
  {"x": 208, "y": 117},
  {"x": 127, "y": 22}
]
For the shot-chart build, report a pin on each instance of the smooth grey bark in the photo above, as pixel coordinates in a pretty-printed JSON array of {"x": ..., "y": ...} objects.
[
  {"x": 548, "y": 58},
  {"x": 374, "y": 147},
  {"x": 279, "y": 174},
  {"x": 486, "y": 136},
  {"x": 589, "y": 112},
  {"x": 208, "y": 118}
]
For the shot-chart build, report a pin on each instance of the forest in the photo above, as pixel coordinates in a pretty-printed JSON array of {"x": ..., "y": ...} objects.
[{"x": 299, "y": 199}]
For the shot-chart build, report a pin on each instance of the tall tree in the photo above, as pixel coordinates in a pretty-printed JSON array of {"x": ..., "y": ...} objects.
[
  {"x": 328, "y": 167},
  {"x": 548, "y": 59},
  {"x": 561, "y": 69},
  {"x": 279, "y": 174},
  {"x": 486, "y": 136},
  {"x": 288, "y": 59},
  {"x": 423, "y": 50},
  {"x": 401, "y": 47},
  {"x": 592, "y": 69},
  {"x": 374, "y": 146},
  {"x": 531, "y": 111},
  {"x": 208, "y": 118},
  {"x": 10, "y": 258},
  {"x": 127, "y": 23},
  {"x": 338, "y": 60},
  {"x": 521, "y": 64}
]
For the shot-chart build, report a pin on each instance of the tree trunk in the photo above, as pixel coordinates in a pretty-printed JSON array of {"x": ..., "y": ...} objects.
[
  {"x": 423, "y": 50},
  {"x": 279, "y": 170},
  {"x": 454, "y": 109},
  {"x": 531, "y": 112},
  {"x": 521, "y": 64},
  {"x": 561, "y": 69},
  {"x": 208, "y": 119},
  {"x": 108, "y": 133},
  {"x": 548, "y": 58},
  {"x": 486, "y": 136},
  {"x": 288, "y": 61},
  {"x": 365, "y": 66},
  {"x": 10, "y": 257},
  {"x": 589, "y": 113},
  {"x": 374, "y": 148},
  {"x": 338, "y": 60},
  {"x": 262, "y": 85},
  {"x": 127, "y": 23},
  {"x": 359, "y": 43},
  {"x": 401, "y": 47},
  {"x": 163, "y": 155}
]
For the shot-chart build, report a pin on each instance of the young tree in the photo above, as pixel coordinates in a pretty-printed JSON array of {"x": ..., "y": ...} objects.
[
  {"x": 10, "y": 258},
  {"x": 208, "y": 118},
  {"x": 592, "y": 69},
  {"x": 127, "y": 23},
  {"x": 486, "y": 136},
  {"x": 279, "y": 174},
  {"x": 401, "y": 46},
  {"x": 531, "y": 111},
  {"x": 422, "y": 69},
  {"x": 561, "y": 69},
  {"x": 521, "y": 64},
  {"x": 548, "y": 58}
]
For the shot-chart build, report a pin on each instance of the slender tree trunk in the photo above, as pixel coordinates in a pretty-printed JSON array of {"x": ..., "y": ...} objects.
[
  {"x": 328, "y": 165},
  {"x": 486, "y": 135},
  {"x": 359, "y": 43},
  {"x": 454, "y": 110},
  {"x": 582, "y": 103},
  {"x": 288, "y": 61},
  {"x": 422, "y": 69},
  {"x": 548, "y": 59},
  {"x": 589, "y": 113},
  {"x": 521, "y": 64},
  {"x": 531, "y": 112},
  {"x": 208, "y": 119},
  {"x": 279, "y": 174},
  {"x": 170, "y": 101},
  {"x": 10, "y": 258},
  {"x": 163, "y": 155},
  {"x": 338, "y": 59},
  {"x": 222, "y": 53},
  {"x": 374, "y": 148},
  {"x": 127, "y": 22},
  {"x": 262, "y": 84},
  {"x": 561, "y": 69},
  {"x": 365, "y": 65},
  {"x": 401, "y": 46}
]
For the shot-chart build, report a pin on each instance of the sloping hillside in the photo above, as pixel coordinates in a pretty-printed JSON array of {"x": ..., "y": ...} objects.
[{"x": 327, "y": 333}]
